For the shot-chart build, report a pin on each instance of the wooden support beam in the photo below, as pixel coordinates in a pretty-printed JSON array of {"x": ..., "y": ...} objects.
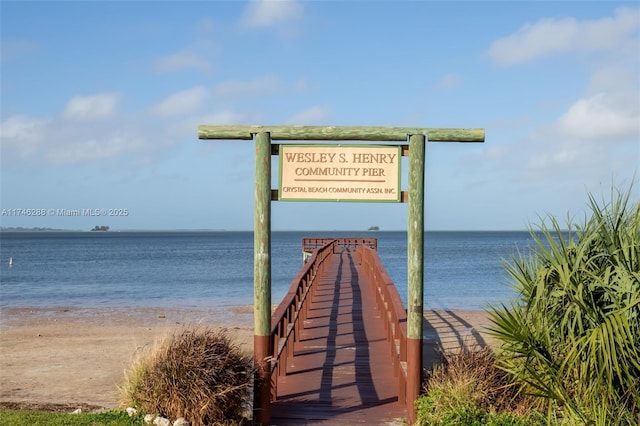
[
  {"x": 341, "y": 133},
  {"x": 415, "y": 272},
  {"x": 262, "y": 351}
]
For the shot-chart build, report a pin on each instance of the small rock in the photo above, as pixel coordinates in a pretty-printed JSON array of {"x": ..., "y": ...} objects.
[
  {"x": 148, "y": 419},
  {"x": 131, "y": 411},
  {"x": 181, "y": 421},
  {"x": 161, "y": 421},
  {"x": 78, "y": 411}
]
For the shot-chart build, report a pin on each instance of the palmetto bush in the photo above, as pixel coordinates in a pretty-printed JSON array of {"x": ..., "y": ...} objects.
[{"x": 573, "y": 335}]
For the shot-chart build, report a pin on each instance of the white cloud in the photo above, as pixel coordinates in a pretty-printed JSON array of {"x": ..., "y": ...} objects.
[
  {"x": 91, "y": 107},
  {"x": 561, "y": 159},
  {"x": 183, "y": 102},
  {"x": 313, "y": 115},
  {"x": 594, "y": 140},
  {"x": 615, "y": 78},
  {"x": 270, "y": 13},
  {"x": 549, "y": 36},
  {"x": 189, "y": 125},
  {"x": 600, "y": 117},
  {"x": 86, "y": 130},
  {"x": 259, "y": 86},
  {"x": 22, "y": 135},
  {"x": 59, "y": 141},
  {"x": 185, "y": 60},
  {"x": 596, "y": 137},
  {"x": 92, "y": 149}
]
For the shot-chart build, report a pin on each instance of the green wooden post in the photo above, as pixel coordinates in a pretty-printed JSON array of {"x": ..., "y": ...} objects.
[
  {"x": 415, "y": 271},
  {"x": 262, "y": 280}
]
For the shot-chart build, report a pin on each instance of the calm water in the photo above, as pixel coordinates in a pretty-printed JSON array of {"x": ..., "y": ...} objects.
[{"x": 463, "y": 270}]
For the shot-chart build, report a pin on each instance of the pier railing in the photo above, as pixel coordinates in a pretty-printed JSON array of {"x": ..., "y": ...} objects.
[
  {"x": 310, "y": 244},
  {"x": 289, "y": 316},
  {"x": 393, "y": 312}
]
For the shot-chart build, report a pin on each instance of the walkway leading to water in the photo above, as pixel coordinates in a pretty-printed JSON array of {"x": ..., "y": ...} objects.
[{"x": 342, "y": 368}]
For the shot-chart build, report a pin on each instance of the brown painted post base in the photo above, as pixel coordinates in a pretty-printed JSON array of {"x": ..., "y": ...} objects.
[
  {"x": 262, "y": 380},
  {"x": 414, "y": 376}
]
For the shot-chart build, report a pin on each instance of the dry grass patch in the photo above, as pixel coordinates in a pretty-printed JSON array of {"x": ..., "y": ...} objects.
[
  {"x": 199, "y": 374},
  {"x": 467, "y": 387}
]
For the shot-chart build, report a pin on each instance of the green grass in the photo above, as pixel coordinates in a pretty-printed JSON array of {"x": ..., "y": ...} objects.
[
  {"x": 431, "y": 412},
  {"x": 48, "y": 418}
]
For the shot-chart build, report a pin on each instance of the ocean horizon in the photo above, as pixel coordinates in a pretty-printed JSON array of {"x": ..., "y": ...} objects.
[{"x": 214, "y": 268}]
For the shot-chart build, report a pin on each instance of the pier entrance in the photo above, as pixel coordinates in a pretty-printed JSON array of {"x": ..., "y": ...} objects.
[{"x": 341, "y": 344}]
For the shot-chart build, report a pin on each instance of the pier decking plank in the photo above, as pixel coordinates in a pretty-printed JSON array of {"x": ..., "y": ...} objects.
[{"x": 341, "y": 371}]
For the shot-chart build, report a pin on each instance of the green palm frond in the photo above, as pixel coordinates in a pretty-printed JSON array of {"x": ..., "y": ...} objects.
[{"x": 573, "y": 335}]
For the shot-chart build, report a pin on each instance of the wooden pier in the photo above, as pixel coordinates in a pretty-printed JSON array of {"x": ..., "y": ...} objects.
[{"x": 338, "y": 337}]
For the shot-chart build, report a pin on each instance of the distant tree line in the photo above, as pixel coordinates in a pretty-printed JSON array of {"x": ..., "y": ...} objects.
[
  {"x": 100, "y": 228},
  {"x": 22, "y": 229}
]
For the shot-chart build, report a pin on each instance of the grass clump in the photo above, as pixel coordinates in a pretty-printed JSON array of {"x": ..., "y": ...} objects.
[
  {"x": 573, "y": 335},
  {"x": 467, "y": 388},
  {"x": 198, "y": 374}
]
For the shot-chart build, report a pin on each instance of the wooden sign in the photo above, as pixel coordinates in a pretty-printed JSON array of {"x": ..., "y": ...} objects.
[{"x": 340, "y": 173}]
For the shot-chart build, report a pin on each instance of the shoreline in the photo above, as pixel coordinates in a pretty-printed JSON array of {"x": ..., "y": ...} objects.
[
  {"x": 76, "y": 357},
  {"x": 108, "y": 316}
]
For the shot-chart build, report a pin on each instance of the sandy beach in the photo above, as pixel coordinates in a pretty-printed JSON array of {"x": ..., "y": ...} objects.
[{"x": 75, "y": 358}]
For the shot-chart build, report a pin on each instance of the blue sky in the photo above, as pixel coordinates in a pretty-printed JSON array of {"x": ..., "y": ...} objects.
[{"x": 100, "y": 103}]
